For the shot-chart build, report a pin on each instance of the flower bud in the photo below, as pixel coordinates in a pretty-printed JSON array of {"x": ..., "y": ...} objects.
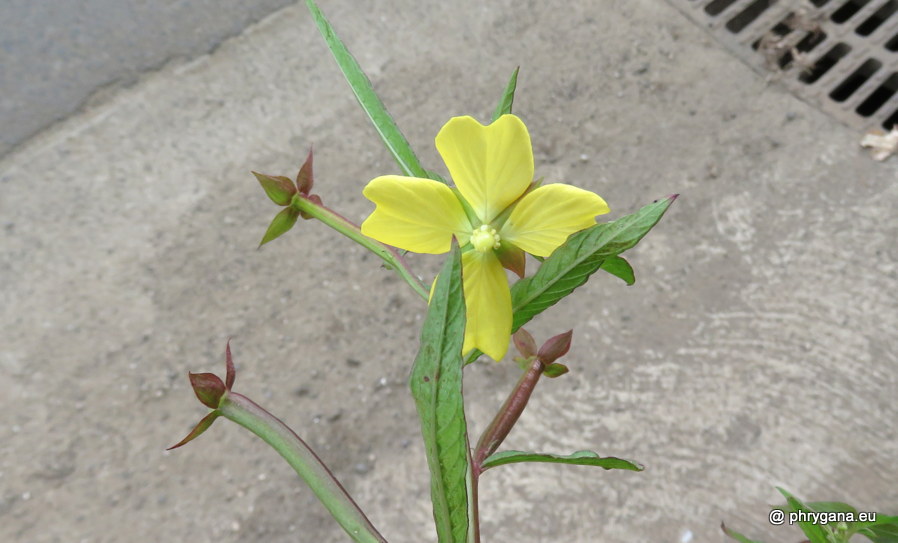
[{"x": 555, "y": 347}]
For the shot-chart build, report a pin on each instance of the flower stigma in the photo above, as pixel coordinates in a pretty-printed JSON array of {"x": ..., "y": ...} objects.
[{"x": 485, "y": 238}]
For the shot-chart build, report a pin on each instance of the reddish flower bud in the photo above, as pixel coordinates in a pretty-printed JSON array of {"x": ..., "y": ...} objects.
[
  {"x": 525, "y": 343},
  {"x": 208, "y": 388},
  {"x": 555, "y": 347}
]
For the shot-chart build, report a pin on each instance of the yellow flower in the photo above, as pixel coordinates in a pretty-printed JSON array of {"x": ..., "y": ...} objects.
[{"x": 490, "y": 212}]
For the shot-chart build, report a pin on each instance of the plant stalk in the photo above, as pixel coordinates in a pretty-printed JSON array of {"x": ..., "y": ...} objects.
[
  {"x": 304, "y": 461},
  {"x": 349, "y": 229},
  {"x": 508, "y": 415}
]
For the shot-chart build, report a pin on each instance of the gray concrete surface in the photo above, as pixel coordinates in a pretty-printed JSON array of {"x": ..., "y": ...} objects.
[
  {"x": 757, "y": 348},
  {"x": 55, "y": 54}
]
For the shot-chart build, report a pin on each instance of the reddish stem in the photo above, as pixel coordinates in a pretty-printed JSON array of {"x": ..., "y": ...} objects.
[{"x": 508, "y": 415}]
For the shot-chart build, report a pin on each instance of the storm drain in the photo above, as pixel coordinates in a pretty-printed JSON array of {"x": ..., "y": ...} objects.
[{"x": 839, "y": 55}]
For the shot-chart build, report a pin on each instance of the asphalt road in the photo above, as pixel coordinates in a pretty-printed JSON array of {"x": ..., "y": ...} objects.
[{"x": 54, "y": 54}]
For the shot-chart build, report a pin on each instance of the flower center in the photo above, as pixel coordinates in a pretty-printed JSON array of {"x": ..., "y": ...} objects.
[{"x": 485, "y": 238}]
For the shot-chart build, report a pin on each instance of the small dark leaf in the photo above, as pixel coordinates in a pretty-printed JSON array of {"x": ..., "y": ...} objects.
[
  {"x": 281, "y": 224},
  {"x": 279, "y": 189},
  {"x": 201, "y": 427}
]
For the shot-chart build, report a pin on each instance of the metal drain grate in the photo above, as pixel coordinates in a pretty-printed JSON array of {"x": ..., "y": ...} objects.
[{"x": 840, "y": 55}]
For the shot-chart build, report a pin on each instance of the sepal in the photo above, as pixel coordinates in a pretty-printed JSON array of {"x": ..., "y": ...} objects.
[
  {"x": 512, "y": 258},
  {"x": 280, "y": 225},
  {"x": 305, "y": 179},
  {"x": 279, "y": 189},
  {"x": 524, "y": 343},
  {"x": 555, "y": 370},
  {"x": 208, "y": 388},
  {"x": 201, "y": 427}
]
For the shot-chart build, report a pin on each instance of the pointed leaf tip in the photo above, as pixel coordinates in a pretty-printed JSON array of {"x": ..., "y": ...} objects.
[
  {"x": 208, "y": 388},
  {"x": 305, "y": 178},
  {"x": 555, "y": 347},
  {"x": 201, "y": 427},
  {"x": 230, "y": 372},
  {"x": 278, "y": 188},
  {"x": 280, "y": 225}
]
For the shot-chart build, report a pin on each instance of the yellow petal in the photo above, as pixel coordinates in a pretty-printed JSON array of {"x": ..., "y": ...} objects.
[
  {"x": 418, "y": 215},
  {"x": 488, "y": 302},
  {"x": 545, "y": 217},
  {"x": 491, "y": 165}
]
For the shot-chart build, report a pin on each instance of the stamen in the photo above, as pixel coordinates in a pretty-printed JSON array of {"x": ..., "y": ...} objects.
[{"x": 485, "y": 238}]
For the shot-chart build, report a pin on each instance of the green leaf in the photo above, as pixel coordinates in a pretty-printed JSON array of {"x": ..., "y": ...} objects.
[
  {"x": 814, "y": 532},
  {"x": 279, "y": 189},
  {"x": 504, "y": 106},
  {"x": 732, "y": 534},
  {"x": 436, "y": 384},
  {"x": 555, "y": 370},
  {"x": 579, "y": 257},
  {"x": 883, "y": 530},
  {"x": 579, "y": 458},
  {"x": 831, "y": 506},
  {"x": 368, "y": 99},
  {"x": 281, "y": 224},
  {"x": 619, "y": 267}
]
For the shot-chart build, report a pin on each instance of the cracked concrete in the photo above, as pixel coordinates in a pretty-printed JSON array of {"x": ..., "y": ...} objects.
[{"x": 757, "y": 347}]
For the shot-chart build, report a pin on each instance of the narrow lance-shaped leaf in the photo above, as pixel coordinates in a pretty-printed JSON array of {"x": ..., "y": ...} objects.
[
  {"x": 579, "y": 257},
  {"x": 368, "y": 99},
  {"x": 436, "y": 384},
  {"x": 579, "y": 458},
  {"x": 504, "y": 106}
]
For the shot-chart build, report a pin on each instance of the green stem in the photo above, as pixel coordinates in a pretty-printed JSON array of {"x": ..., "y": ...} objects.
[
  {"x": 301, "y": 458},
  {"x": 349, "y": 229}
]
